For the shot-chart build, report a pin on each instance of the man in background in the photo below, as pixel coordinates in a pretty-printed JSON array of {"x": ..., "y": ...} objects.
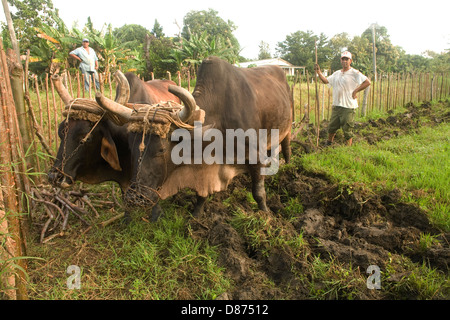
[
  {"x": 88, "y": 63},
  {"x": 346, "y": 83}
]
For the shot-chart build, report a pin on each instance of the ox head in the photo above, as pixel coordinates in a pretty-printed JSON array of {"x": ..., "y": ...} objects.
[
  {"x": 150, "y": 144},
  {"x": 87, "y": 145}
]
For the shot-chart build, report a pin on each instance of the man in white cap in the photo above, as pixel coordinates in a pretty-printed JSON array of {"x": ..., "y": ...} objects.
[
  {"x": 88, "y": 63},
  {"x": 346, "y": 83}
]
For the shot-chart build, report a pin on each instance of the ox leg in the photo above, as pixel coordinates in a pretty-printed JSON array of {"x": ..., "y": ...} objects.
[
  {"x": 126, "y": 218},
  {"x": 199, "y": 206},
  {"x": 157, "y": 212},
  {"x": 258, "y": 190},
  {"x": 286, "y": 148}
]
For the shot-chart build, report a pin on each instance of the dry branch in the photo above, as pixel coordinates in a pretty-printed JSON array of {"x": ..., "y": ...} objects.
[
  {"x": 113, "y": 219},
  {"x": 60, "y": 204}
]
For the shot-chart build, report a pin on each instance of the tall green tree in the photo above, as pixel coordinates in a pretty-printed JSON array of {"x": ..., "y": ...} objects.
[
  {"x": 361, "y": 50},
  {"x": 131, "y": 35},
  {"x": 200, "y": 22},
  {"x": 28, "y": 15},
  {"x": 264, "y": 51},
  {"x": 387, "y": 54},
  {"x": 136, "y": 38},
  {"x": 413, "y": 63},
  {"x": 439, "y": 62},
  {"x": 157, "y": 30},
  {"x": 299, "y": 49},
  {"x": 160, "y": 50},
  {"x": 338, "y": 43}
]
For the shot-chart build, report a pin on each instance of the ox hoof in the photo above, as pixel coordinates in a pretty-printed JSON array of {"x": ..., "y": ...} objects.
[
  {"x": 198, "y": 208},
  {"x": 157, "y": 212},
  {"x": 126, "y": 219},
  {"x": 198, "y": 211}
]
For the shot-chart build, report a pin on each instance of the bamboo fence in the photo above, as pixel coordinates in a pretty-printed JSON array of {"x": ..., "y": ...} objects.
[
  {"x": 14, "y": 185},
  {"x": 391, "y": 91}
]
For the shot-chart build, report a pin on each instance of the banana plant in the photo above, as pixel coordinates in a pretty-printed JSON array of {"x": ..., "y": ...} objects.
[
  {"x": 109, "y": 49},
  {"x": 57, "y": 43},
  {"x": 200, "y": 46}
]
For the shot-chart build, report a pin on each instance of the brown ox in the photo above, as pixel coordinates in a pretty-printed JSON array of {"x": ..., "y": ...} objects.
[
  {"x": 93, "y": 148},
  {"x": 232, "y": 98}
]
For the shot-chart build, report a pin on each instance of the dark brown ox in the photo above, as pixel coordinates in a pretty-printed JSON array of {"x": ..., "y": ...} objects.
[
  {"x": 93, "y": 148},
  {"x": 232, "y": 98}
]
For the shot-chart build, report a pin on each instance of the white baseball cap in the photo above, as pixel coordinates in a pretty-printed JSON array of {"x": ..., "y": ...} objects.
[{"x": 346, "y": 54}]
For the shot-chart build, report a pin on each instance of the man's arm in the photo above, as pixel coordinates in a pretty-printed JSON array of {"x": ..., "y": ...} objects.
[
  {"x": 363, "y": 86},
  {"x": 319, "y": 73},
  {"x": 75, "y": 57}
]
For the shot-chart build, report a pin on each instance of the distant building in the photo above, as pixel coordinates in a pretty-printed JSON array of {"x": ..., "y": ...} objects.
[{"x": 288, "y": 68}]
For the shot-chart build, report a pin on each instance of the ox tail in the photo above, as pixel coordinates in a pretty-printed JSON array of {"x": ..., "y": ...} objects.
[{"x": 286, "y": 147}]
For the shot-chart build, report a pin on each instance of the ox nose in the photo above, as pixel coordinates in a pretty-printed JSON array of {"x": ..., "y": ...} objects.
[
  {"x": 52, "y": 176},
  {"x": 57, "y": 179}
]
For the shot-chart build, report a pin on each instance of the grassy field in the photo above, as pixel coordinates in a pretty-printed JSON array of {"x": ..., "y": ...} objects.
[
  {"x": 418, "y": 165},
  {"x": 334, "y": 212}
]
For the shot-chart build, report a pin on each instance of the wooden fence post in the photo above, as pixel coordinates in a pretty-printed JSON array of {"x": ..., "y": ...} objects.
[
  {"x": 364, "y": 104},
  {"x": 11, "y": 183},
  {"x": 307, "y": 91},
  {"x": 189, "y": 80}
]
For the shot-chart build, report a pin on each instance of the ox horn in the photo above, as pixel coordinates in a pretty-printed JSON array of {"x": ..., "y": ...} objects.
[
  {"x": 61, "y": 89},
  {"x": 189, "y": 102},
  {"x": 122, "y": 114},
  {"x": 123, "y": 88}
]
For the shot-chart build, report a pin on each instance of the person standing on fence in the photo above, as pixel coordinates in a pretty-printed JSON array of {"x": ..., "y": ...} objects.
[
  {"x": 88, "y": 63},
  {"x": 346, "y": 83}
]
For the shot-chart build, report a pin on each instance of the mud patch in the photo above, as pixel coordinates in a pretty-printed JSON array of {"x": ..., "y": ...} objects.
[
  {"x": 313, "y": 223},
  {"x": 353, "y": 227}
]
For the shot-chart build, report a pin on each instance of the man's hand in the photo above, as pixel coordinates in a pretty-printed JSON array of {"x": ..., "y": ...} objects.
[
  {"x": 319, "y": 73},
  {"x": 317, "y": 68},
  {"x": 363, "y": 86}
]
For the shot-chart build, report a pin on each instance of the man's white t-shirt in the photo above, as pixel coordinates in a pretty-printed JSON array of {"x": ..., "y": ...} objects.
[
  {"x": 343, "y": 84},
  {"x": 88, "y": 58}
]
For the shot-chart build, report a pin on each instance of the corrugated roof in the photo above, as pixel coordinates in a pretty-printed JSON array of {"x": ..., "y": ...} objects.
[{"x": 266, "y": 62}]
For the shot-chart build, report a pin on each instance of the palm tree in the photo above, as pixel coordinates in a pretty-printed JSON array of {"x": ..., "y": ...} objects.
[{"x": 109, "y": 49}]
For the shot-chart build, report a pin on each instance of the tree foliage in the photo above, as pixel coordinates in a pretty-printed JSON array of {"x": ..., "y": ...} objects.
[
  {"x": 197, "y": 23},
  {"x": 264, "y": 51},
  {"x": 132, "y": 47},
  {"x": 28, "y": 15},
  {"x": 157, "y": 30},
  {"x": 298, "y": 48},
  {"x": 55, "y": 43}
]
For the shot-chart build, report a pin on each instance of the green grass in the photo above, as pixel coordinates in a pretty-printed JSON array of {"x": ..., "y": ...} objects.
[
  {"x": 140, "y": 261},
  {"x": 420, "y": 282},
  {"x": 417, "y": 164},
  {"x": 330, "y": 280}
]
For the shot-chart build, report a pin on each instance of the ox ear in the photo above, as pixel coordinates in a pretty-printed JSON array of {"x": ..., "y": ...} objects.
[{"x": 109, "y": 153}]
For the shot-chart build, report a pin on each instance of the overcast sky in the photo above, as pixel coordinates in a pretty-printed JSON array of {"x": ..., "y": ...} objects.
[{"x": 414, "y": 25}]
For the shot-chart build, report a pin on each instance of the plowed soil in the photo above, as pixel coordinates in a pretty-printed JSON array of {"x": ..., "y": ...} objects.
[
  {"x": 315, "y": 222},
  {"x": 351, "y": 227}
]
